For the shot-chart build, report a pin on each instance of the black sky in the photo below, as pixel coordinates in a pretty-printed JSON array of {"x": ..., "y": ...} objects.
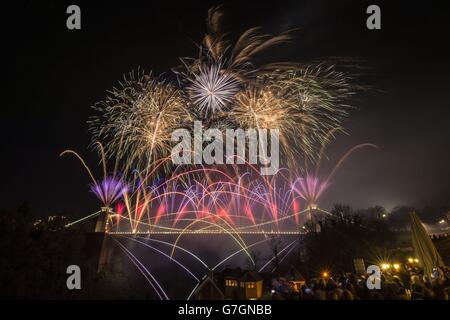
[{"x": 52, "y": 76}]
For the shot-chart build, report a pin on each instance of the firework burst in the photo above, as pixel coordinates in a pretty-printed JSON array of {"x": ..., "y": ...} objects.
[
  {"x": 109, "y": 190},
  {"x": 223, "y": 89},
  {"x": 240, "y": 55},
  {"x": 136, "y": 121},
  {"x": 212, "y": 88},
  {"x": 303, "y": 105},
  {"x": 310, "y": 189}
]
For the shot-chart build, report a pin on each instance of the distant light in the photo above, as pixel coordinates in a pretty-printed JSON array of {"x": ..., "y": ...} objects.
[
  {"x": 442, "y": 221},
  {"x": 384, "y": 215},
  {"x": 396, "y": 266},
  {"x": 385, "y": 266},
  {"x": 410, "y": 260},
  {"x": 325, "y": 274},
  {"x": 272, "y": 291},
  {"x": 416, "y": 260}
]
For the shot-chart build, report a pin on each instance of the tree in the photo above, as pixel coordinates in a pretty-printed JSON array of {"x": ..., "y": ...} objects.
[{"x": 344, "y": 236}]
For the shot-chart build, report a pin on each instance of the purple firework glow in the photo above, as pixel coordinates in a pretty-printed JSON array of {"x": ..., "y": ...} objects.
[
  {"x": 109, "y": 190},
  {"x": 310, "y": 189}
]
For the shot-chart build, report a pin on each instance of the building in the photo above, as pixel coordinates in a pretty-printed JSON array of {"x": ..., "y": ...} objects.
[
  {"x": 252, "y": 284},
  {"x": 232, "y": 286},
  {"x": 208, "y": 289},
  {"x": 295, "y": 279},
  {"x": 238, "y": 284},
  {"x": 242, "y": 285}
]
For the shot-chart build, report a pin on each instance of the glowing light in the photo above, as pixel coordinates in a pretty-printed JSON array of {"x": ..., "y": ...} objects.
[{"x": 385, "y": 266}]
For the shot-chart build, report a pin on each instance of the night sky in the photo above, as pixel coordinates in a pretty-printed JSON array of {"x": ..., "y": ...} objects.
[{"x": 52, "y": 76}]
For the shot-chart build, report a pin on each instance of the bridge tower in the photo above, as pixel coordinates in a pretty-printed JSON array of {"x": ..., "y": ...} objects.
[
  {"x": 103, "y": 226},
  {"x": 314, "y": 217},
  {"x": 103, "y": 220}
]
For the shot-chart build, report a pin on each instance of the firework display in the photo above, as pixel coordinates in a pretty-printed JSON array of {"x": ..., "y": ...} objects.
[
  {"x": 224, "y": 88},
  {"x": 236, "y": 151},
  {"x": 147, "y": 194}
]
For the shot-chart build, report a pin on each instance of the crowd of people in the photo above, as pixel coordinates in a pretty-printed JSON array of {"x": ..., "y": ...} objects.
[{"x": 407, "y": 284}]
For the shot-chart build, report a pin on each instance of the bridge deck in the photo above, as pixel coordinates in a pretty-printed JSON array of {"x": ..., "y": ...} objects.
[{"x": 205, "y": 232}]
